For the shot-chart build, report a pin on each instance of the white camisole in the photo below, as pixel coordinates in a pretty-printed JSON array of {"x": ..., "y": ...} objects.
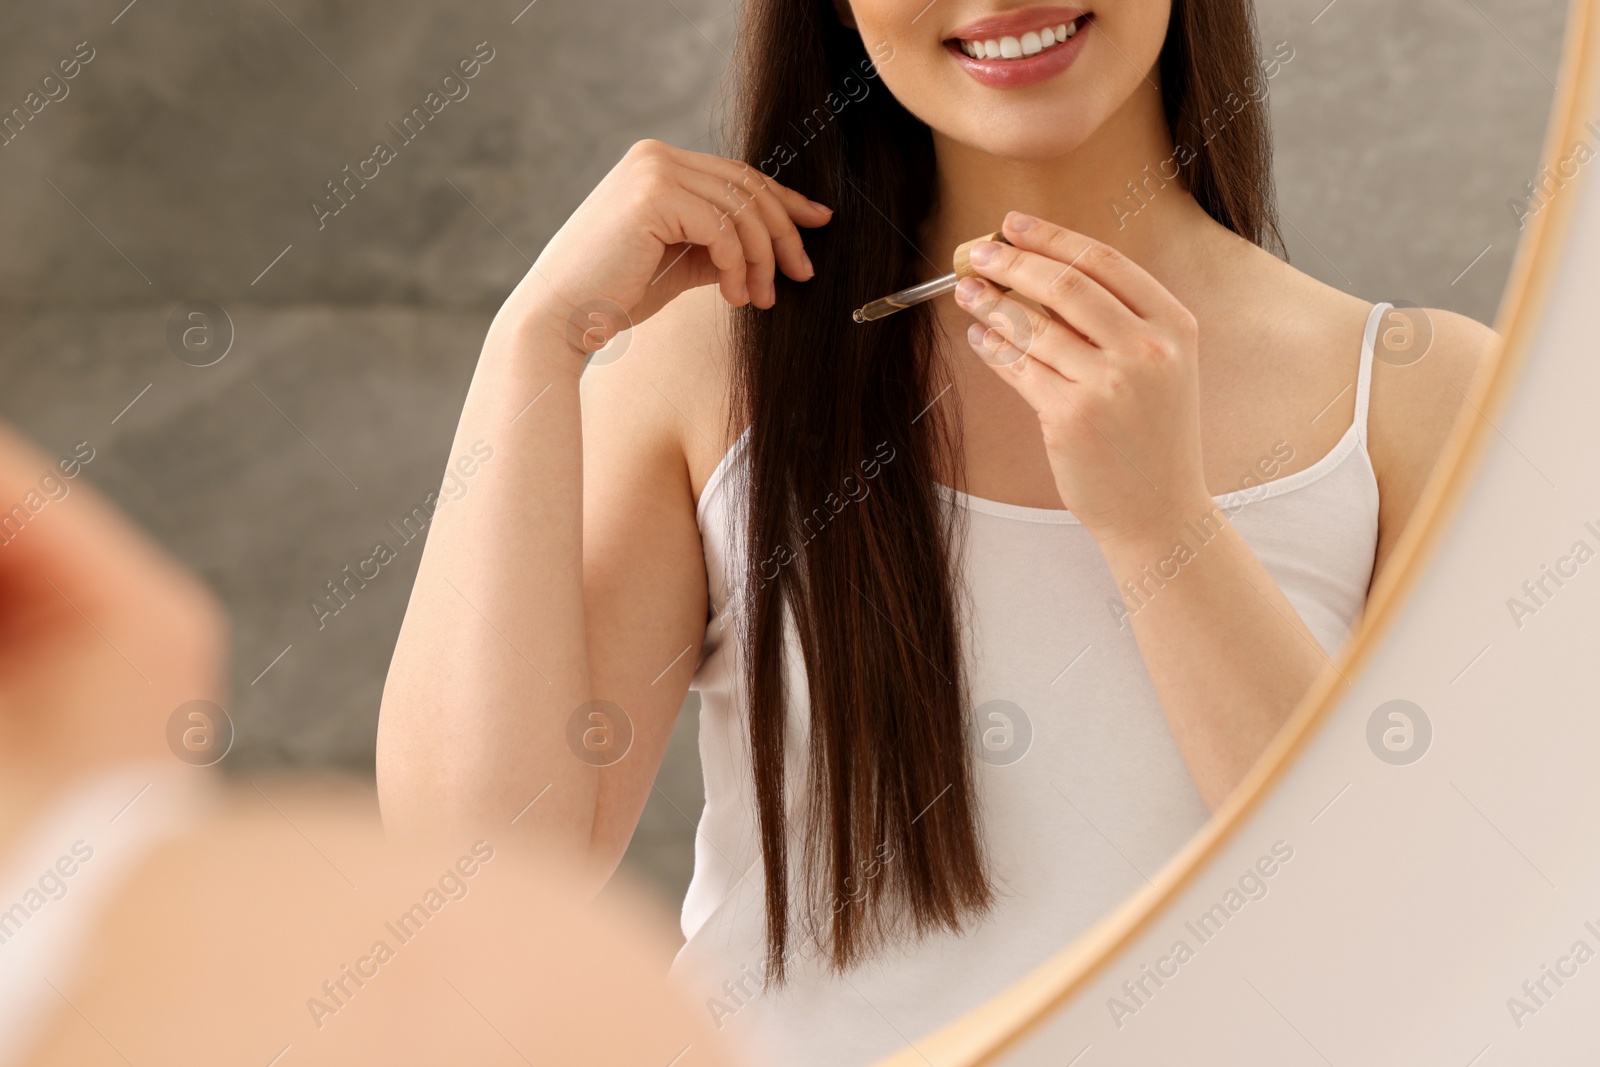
[{"x": 1083, "y": 792}]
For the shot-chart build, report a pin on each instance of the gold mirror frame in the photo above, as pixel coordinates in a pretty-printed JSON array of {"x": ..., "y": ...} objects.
[{"x": 989, "y": 1030}]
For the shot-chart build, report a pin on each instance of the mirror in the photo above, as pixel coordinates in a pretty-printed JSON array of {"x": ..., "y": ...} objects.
[
  {"x": 1397, "y": 812},
  {"x": 272, "y": 270}
]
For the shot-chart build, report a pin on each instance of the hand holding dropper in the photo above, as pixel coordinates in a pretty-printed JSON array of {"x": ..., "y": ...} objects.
[{"x": 916, "y": 294}]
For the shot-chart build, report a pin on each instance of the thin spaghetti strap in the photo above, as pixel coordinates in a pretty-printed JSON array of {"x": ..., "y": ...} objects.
[{"x": 1369, "y": 344}]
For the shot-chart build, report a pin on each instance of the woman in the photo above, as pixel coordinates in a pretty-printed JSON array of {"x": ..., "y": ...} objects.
[
  {"x": 988, "y": 602},
  {"x": 102, "y": 637}
]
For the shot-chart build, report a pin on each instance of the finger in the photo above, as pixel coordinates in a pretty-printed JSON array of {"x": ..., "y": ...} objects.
[
  {"x": 781, "y": 208},
  {"x": 1028, "y": 331},
  {"x": 804, "y": 211},
  {"x": 739, "y": 211},
  {"x": 1119, "y": 275},
  {"x": 786, "y": 239},
  {"x": 692, "y": 219},
  {"x": 1038, "y": 383},
  {"x": 1081, "y": 301}
]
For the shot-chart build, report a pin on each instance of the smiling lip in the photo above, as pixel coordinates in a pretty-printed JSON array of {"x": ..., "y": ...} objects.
[
  {"x": 1028, "y": 70},
  {"x": 1016, "y": 23}
]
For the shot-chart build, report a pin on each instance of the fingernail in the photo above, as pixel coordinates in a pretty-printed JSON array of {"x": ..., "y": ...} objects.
[
  {"x": 1021, "y": 222},
  {"x": 968, "y": 288},
  {"x": 983, "y": 252},
  {"x": 805, "y": 259},
  {"x": 975, "y": 334},
  {"x": 820, "y": 207}
]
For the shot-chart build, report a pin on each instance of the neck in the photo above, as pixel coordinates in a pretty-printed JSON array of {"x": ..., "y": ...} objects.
[{"x": 1155, "y": 221}]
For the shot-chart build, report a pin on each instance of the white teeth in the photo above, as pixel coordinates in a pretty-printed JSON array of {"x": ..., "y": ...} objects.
[{"x": 1030, "y": 44}]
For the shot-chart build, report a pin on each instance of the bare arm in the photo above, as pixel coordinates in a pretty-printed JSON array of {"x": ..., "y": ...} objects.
[
  {"x": 1228, "y": 653},
  {"x": 1111, "y": 369},
  {"x": 492, "y": 654},
  {"x": 1415, "y": 405},
  {"x": 551, "y": 585}
]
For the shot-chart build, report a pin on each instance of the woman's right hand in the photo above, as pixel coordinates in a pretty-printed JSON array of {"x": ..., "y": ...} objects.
[
  {"x": 535, "y": 595},
  {"x": 665, "y": 220}
]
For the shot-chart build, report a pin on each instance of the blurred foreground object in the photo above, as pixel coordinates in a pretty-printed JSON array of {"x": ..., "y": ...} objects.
[
  {"x": 102, "y": 635},
  {"x": 281, "y": 927},
  {"x": 151, "y": 915}
]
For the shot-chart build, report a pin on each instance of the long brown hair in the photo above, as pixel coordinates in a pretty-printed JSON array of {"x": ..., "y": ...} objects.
[{"x": 846, "y": 535}]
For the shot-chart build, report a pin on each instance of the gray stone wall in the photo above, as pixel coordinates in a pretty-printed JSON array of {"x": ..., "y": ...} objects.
[{"x": 179, "y": 164}]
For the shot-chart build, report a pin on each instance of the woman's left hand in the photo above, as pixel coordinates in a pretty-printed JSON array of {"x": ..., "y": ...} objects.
[{"x": 1112, "y": 371}]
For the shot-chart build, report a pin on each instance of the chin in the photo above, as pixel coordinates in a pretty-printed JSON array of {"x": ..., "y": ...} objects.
[{"x": 1026, "y": 136}]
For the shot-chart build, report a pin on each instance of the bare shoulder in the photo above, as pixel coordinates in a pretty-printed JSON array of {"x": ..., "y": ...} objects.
[
  {"x": 1423, "y": 365},
  {"x": 1425, "y": 362},
  {"x": 1306, "y": 315},
  {"x": 1280, "y": 355},
  {"x": 659, "y": 394}
]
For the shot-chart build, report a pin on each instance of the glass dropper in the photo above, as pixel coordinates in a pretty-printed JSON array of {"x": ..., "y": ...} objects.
[{"x": 916, "y": 294}]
